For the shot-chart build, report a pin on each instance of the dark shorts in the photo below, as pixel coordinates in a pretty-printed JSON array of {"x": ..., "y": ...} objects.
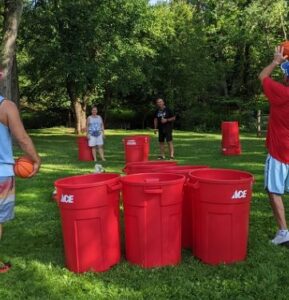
[
  {"x": 7, "y": 198},
  {"x": 165, "y": 135}
]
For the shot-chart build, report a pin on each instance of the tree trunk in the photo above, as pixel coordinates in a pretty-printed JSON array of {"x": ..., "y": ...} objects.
[
  {"x": 79, "y": 107},
  {"x": 80, "y": 116},
  {"x": 12, "y": 15},
  {"x": 15, "y": 97}
]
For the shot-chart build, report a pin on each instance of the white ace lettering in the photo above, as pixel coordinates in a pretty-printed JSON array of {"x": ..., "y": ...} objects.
[
  {"x": 67, "y": 198},
  {"x": 239, "y": 194}
]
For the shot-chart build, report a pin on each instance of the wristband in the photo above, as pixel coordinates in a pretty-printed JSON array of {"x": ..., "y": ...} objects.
[{"x": 275, "y": 63}]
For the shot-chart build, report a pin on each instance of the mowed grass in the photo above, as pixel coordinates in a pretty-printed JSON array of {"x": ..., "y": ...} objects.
[{"x": 33, "y": 240}]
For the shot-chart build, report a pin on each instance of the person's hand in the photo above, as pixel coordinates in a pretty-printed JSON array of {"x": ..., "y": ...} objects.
[
  {"x": 103, "y": 135},
  {"x": 155, "y": 131},
  {"x": 36, "y": 167},
  {"x": 279, "y": 58},
  {"x": 164, "y": 121}
]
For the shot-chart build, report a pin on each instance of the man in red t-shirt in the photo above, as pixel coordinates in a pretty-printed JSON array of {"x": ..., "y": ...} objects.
[{"x": 277, "y": 142}]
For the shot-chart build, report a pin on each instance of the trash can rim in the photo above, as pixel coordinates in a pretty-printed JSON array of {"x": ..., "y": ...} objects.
[
  {"x": 222, "y": 181},
  {"x": 62, "y": 184},
  {"x": 180, "y": 168},
  {"x": 180, "y": 178}
]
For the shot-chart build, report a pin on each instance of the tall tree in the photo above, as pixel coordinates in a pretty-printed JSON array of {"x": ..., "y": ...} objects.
[
  {"x": 8, "y": 65},
  {"x": 90, "y": 55}
]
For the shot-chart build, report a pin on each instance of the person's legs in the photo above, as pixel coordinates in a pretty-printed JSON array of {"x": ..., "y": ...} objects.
[
  {"x": 171, "y": 149},
  {"x": 276, "y": 176},
  {"x": 169, "y": 139},
  {"x": 101, "y": 152},
  {"x": 93, "y": 151},
  {"x": 7, "y": 201},
  {"x": 278, "y": 210},
  {"x": 162, "y": 149},
  {"x": 162, "y": 144}
]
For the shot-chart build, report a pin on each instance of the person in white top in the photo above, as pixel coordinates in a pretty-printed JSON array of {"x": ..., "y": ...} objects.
[{"x": 95, "y": 133}]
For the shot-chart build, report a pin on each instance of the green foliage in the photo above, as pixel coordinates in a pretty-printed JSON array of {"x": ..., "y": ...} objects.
[
  {"x": 120, "y": 118},
  {"x": 44, "y": 119},
  {"x": 124, "y": 53}
]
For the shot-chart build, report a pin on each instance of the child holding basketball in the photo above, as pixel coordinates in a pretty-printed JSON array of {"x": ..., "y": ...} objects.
[{"x": 11, "y": 124}]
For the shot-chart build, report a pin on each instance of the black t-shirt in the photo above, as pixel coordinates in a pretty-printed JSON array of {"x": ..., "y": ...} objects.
[{"x": 165, "y": 113}]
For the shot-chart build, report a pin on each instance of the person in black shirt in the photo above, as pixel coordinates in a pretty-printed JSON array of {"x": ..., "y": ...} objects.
[{"x": 163, "y": 123}]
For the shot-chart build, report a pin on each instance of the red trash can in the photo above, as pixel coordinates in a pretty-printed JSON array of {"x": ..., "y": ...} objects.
[
  {"x": 152, "y": 215},
  {"x": 84, "y": 151},
  {"x": 187, "y": 206},
  {"x": 89, "y": 208},
  {"x": 220, "y": 207},
  {"x": 146, "y": 166},
  {"x": 136, "y": 148},
  {"x": 230, "y": 138}
]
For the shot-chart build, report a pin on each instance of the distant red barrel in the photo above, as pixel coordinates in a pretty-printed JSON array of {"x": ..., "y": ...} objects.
[
  {"x": 230, "y": 138},
  {"x": 136, "y": 148},
  {"x": 84, "y": 151}
]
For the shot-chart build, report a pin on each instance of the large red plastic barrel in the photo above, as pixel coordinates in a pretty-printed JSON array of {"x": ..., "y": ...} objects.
[
  {"x": 84, "y": 151},
  {"x": 136, "y": 148},
  {"x": 230, "y": 138},
  {"x": 220, "y": 208},
  {"x": 152, "y": 215},
  {"x": 146, "y": 167},
  {"x": 186, "y": 206},
  {"x": 89, "y": 207}
]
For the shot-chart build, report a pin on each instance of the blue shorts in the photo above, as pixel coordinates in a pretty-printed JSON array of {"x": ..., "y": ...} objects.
[
  {"x": 276, "y": 176},
  {"x": 7, "y": 198}
]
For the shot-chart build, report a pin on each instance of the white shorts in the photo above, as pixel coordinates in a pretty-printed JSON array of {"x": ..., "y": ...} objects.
[
  {"x": 276, "y": 176},
  {"x": 95, "y": 141}
]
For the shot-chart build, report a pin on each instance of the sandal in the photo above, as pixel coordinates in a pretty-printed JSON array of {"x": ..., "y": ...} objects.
[
  {"x": 172, "y": 158},
  {"x": 161, "y": 158},
  {"x": 4, "y": 267}
]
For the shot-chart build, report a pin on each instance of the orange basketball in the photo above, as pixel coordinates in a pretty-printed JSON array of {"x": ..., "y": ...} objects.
[
  {"x": 285, "y": 45},
  {"x": 23, "y": 167}
]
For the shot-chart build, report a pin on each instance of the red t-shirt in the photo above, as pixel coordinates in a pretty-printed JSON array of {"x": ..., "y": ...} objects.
[{"x": 277, "y": 141}]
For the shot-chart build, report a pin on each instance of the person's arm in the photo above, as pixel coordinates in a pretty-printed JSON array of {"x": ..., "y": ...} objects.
[
  {"x": 171, "y": 117},
  {"x": 102, "y": 127},
  {"x": 155, "y": 125},
  {"x": 86, "y": 128},
  {"x": 18, "y": 131},
  {"x": 278, "y": 59}
]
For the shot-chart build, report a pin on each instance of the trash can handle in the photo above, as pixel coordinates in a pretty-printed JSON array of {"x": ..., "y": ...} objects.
[
  {"x": 153, "y": 191},
  {"x": 253, "y": 179},
  {"x": 195, "y": 185},
  {"x": 114, "y": 187}
]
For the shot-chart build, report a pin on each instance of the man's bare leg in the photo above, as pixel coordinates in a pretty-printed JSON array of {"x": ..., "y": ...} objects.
[
  {"x": 93, "y": 151},
  {"x": 101, "y": 153},
  {"x": 1, "y": 230},
  {"x": 278, "y": 210},
  {"x": 162, "y": 149},
  {"x": 171, "y": 148}
]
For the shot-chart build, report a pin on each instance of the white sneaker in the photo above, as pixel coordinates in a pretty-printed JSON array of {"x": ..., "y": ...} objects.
[{"x": 281, "y": 237}]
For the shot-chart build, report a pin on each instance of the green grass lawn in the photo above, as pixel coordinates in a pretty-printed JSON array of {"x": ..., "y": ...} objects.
[{"x": 33, "y": 240}]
